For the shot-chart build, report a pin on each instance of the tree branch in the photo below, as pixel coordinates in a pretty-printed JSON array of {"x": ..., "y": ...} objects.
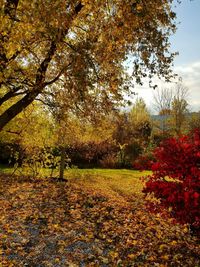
[
  {"x": 16, "y": 108},
  {"x": 11, "y": 94},
  {"x": 87, "y": 57},
  {"x": 57, "y": 76}
]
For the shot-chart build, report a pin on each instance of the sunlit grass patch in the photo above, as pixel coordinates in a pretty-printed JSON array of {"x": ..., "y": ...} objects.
[
  {"x": 6, "y": 169},
  {"x": 121, "y": 181}
]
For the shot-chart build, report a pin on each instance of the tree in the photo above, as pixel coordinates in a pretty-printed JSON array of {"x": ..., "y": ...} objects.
[
  {"x": 179, "y": 108},
  {"x": 162, "y": 103},
  {"x": 139, "y": 111},
  {"x": 194, "y": 121},
  {"x": 132, "y": 133},
  {"x": 172, "y": 105},
  {"x": 28, "y": 139},
  {"x": 140, "y": 120},
  {"x": 80, "y": 135},
  {"x": 77, "y": 48}
]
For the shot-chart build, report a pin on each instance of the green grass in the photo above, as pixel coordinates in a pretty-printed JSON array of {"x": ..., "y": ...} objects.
[
  {"x": 6, "y": 169},
  {"x": 120, "y": 181}
]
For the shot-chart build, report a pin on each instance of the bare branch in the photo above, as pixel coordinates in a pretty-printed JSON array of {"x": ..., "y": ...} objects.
[
  {"x": 163, "y": 100},
  {"x": 81, "y": 28}
]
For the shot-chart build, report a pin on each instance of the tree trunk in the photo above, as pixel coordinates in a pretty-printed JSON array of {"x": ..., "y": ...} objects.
[
  {"x": 62, "y": 163},
  {"x": 15, "y": 109}
]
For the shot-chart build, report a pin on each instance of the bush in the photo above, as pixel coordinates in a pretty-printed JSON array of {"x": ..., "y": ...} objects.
[
  {"x": 144, "y": 162},
  {"x": 11, "y": 153},
  {"x": 146, "y": 159},
  {"x": 176, "y": 178},
  {"x": 126, "y": 153},
  {"x": 91, "y": 154},
  {"x": 109, "y": 161}
]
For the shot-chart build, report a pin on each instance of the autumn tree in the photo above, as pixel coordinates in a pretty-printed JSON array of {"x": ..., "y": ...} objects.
[
  {"x": 141, "y": 124},
  {"x": 162, "y": 101},
  {"x": 172, "y": 107},
  {"x": 132, "y": 132},
  {"x": 27, "y": 141},
  {"x": 162, "y": 104},
  {"x": 179, "y": 108},
  {"x": 140, "y": 119},
  {"x": 77, "y": 48},
  {"x": 194, "y": 121}
]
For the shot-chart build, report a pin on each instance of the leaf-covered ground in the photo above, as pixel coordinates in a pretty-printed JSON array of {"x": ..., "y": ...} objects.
[{"x": 96, "y": 219}]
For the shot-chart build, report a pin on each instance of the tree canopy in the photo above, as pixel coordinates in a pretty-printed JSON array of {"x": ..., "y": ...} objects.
[{"x": 74, "y": 51}]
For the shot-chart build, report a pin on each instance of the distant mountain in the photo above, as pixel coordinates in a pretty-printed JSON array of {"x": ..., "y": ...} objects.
[{"x": 165, "y": 117}]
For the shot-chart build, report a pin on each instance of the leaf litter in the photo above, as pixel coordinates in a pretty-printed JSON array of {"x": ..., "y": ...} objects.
[{"x": 49, "y": 223}]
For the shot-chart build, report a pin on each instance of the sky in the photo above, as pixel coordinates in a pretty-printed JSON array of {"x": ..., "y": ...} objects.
[{"x": 186, "y": 41}]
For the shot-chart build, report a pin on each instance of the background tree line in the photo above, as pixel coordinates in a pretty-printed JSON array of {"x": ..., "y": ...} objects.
[
  {"x": 121, "y": 139},
  {"x": 64, "y": 79}
]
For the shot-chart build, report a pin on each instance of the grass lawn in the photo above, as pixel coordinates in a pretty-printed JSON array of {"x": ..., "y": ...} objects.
[
  {"x": 97, "y": 218},
  {"x": 6, "y": 169},
  {"x": 121, "y": 181}
]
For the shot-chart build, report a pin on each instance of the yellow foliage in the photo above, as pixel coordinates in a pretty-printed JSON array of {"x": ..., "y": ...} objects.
[
  {"x": 165, "y": 257},
  {"x": 132, "y": 256},
  {"x": 113, "y": 230},
  {"x": 173, "y": 243},
  {"x": 68, "y": 53}
]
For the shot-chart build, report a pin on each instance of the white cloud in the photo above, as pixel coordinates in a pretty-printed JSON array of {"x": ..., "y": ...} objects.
[
  {"x": 190, "y": 75},
  {"x": 191, "y": 79}
]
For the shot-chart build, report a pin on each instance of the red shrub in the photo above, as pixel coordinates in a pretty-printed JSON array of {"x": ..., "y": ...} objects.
[
  {"x": 143, "y": 162},
  {"x": 178, "y": 159}
]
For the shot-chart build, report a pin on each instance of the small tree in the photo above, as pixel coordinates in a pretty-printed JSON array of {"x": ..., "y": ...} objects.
[
  {"x": 179, "y": 108},
  {"x": 172, "y": 107},
  {"x": 176, "y": 178},
  {"x": 162, "y": 104},
  {"x": 140, "y": 120},
  {"x": 194, "y": 121}
]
